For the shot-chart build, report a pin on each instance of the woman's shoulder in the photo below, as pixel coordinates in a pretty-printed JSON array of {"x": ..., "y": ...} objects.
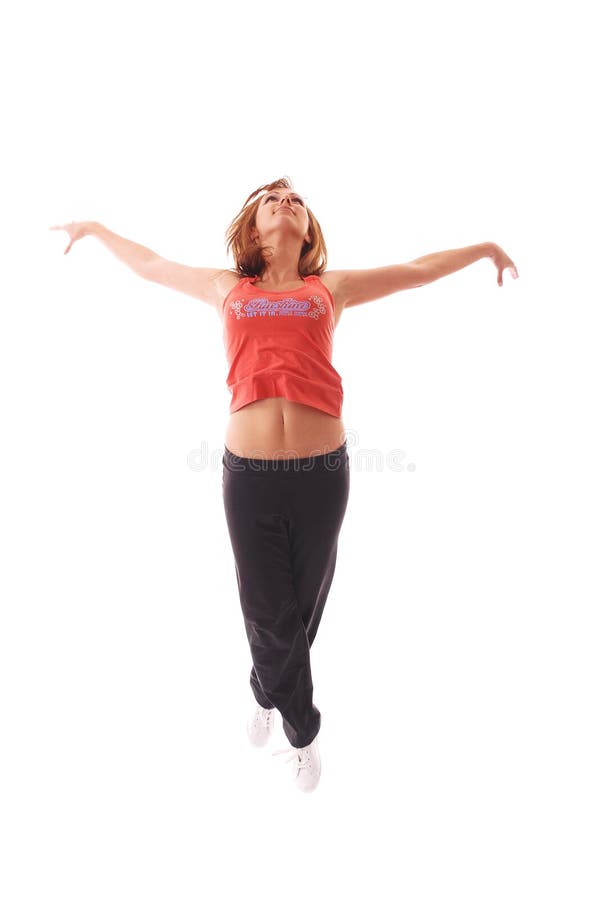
[
  {"x": 332, "y": 279},
  {"x": 226, "y": 283},
  {"x": 229, "y": 279}
]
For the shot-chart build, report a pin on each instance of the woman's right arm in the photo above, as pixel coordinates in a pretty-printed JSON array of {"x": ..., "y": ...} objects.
[
  {"x": 136, "y": 256},
  {"x": 196, "y": 282}
]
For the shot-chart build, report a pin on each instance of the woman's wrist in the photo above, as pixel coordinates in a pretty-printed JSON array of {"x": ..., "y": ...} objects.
[{"x": 92, "y": 227}]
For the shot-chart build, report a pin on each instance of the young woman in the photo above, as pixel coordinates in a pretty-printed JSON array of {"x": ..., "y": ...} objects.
[{"x": 285, "y": 464}]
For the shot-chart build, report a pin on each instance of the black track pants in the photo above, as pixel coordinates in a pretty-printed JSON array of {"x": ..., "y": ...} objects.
[{"x": 284, "y": 518}]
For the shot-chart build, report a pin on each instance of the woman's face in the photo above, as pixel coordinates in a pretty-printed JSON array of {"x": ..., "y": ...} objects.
[{"x": 282, "y": 210}]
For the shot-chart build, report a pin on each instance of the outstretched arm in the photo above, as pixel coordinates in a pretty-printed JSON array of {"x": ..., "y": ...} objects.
[
  {"x": 200, "y": 283},
  {"x": 436, "y": 265},
  {"x": 356, "y": 286},
  {"x": 136, "y": 256}
]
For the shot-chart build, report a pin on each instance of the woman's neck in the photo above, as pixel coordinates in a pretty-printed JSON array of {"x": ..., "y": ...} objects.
[{"x": 278, "y": 280}]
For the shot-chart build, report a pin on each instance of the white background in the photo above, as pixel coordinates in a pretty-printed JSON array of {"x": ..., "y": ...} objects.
[{"x": 457, "y": 667}]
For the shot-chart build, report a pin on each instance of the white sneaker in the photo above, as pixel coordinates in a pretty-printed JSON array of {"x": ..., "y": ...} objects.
[
  {"x": 260, "y": 725},
  {"x": 307, "y": 766}
]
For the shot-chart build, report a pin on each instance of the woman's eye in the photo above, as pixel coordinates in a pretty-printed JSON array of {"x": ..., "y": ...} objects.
[{"x": 296, "y": 199}]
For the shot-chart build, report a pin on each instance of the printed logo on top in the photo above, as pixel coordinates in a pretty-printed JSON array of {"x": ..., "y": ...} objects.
[{"x": 312, "y": 307}]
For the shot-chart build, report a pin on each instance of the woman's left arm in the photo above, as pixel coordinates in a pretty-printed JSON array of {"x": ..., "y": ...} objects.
[
  {"x": 436, "y": 265},
  {"x": 356, "y": 286}
]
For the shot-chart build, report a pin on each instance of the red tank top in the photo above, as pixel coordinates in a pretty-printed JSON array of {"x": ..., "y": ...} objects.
[{"x": 279, "y": 344}]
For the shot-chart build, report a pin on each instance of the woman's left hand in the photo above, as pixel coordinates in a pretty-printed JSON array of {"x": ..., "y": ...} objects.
[{"x": 502, "y": 261}]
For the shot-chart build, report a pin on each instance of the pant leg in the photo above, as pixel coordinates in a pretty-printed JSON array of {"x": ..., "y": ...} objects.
[
  {"x": 316, "y": 517},
  {"x": 255, "y": 506}
]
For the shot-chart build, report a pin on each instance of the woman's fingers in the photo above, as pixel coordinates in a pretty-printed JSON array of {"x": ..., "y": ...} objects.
[
  {"x": 513, "y": 272},
  {"x": 70, "y": 231}
]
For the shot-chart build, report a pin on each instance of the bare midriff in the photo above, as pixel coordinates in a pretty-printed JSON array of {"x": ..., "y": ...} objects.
[{"x": 280, "y": 428}]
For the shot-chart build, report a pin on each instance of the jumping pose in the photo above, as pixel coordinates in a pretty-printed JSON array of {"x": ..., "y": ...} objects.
[{"x": 285, "y": 465}]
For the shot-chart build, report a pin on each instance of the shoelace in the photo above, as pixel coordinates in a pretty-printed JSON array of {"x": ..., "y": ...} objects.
[
  {"x": 264, "y": 716},
  {"x": 299, "y": 754}
]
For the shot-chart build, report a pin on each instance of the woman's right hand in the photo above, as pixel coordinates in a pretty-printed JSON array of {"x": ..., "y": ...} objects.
[{"x": 75, "y": 230}]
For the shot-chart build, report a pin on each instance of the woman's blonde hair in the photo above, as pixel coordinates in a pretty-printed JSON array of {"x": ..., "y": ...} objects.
[{"x": 249, "y": 257}]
